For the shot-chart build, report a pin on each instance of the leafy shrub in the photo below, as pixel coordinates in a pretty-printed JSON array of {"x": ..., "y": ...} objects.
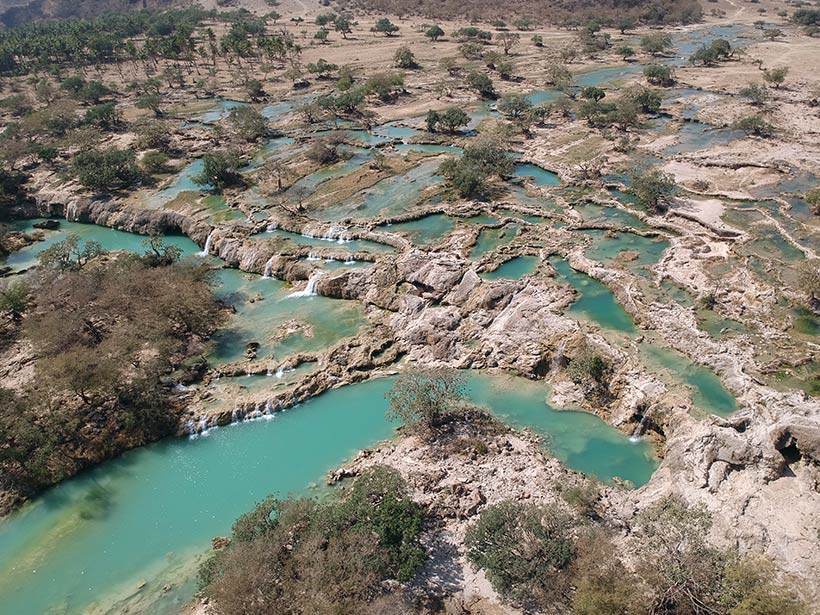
[{"x": 334, "y": 556}]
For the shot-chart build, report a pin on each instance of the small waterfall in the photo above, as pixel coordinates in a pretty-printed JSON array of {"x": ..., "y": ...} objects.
[
  {"x": 280, "y": 372},
  {"x": 336, "y": 234},
  {"x": 310, "y": 289},
  {"x": 207, "y": 249},
  {"x": 268, "y": 266},
  {"x": 350, "y": 261},
  {"x": 558, "y": 358},
  {"x": 271, "y": 227},
  {"x": 640, "y": 428},
  {"x": 313, "y": 257}
]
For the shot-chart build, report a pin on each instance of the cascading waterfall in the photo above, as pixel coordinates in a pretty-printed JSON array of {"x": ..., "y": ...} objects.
[
  {"x": 268, "y": 266},
  {"x": 313, "y": 257},
  {"x": 558, "y": 358},
  {"x": 207, "y": 249},
  {"x": 310, "y": 289},
  {"x": 271, "y": 227},
  {"x": 640, "y": 428},
  {"x": 350, "y": 261}
]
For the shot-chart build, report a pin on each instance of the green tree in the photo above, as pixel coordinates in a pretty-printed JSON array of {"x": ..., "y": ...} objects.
[
  {"x": 813, "y": 199},
  {"x": 105, "y": 116},
  {"x": 452, "y": 119},
  {"x": 336, "y": 555},
  {"x": 102, "y": 171},
  {"x": 254, "y": 90},
  {"x": 482, "y": 84},
  {"x": 659, "y": 74},
  {"x": 424, "y": 398},
  {"x": 656, "y": 43},
  {"x": 754, "y": 124},
  {"x": 467, "y": 176},
  {"x": 404, "y": 58},
  {"x": 525, "y": 551},
  {"x": 14, "y": 298},
  {"x": 508, "y": 40},
  {"x": 776, "y": 76},
  {"x": 321, "y": 35},
  {"x": 653, "y": 188},
  {"x": 756, "y": 93},
  {"x": 625, "y": 51},
  {"x": 322, "y": 68},
  {"x": 434, "y": 33},
  {"x": 154, "y": 162},
  {"x": 220, "y": 170},
  {"x": 248, "y": 123},
  {"x": 69, "y": 254},
  {"x": 514, "y": 106},
  {"x": 385, "y": 86},
  {"x": 682, "y": 569},
  {"x": 153, "y": 102},
  {"x": 344, "y": 25},
  {"x": 385, "y": 26}
]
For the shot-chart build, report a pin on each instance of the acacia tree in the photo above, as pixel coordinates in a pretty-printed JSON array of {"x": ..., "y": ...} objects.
[
  {"x": 776, "y": 76},
  {"x": 434, "y": 33},
  {"x": 423, "y": 398},
  {"x": 385, "y": 26},
  {"x": 653, "y": 188},
  {"x": 508, "y": 40}
]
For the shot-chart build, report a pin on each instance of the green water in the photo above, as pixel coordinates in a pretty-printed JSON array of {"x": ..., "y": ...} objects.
[
  {"x": 109, "y": 239},
  {"x": 707, "y": 391},
  {"x": 355, "y": 245},
  {"x": 491, "y": 238},
  {"x": 805, "y": 322},
  {"x": 430, "y": 148},
  {"x": 140, "y": 517},
  {"x": 393, "y": 196},
  {"x": 89, "y": 543},
  {"x": 596, "y": 301},
  {"x": 184, "y": 182},
  {"x": 717, "y": 326},
  {"x": 580, "y": 439},
  {"x": 394, "y": 131},
  {"x": 423, "y": 231},
  {"x": 695, "y": 135},
  {"x": 539, "y": 175},
  {"x": 601, "y": 214},
  {"x": 514, "y": 269},
  {"x": 329, "y": 320},
  {"x": 607, "y": 247}
]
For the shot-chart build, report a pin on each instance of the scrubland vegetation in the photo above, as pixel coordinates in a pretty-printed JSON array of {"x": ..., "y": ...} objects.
[{"x": 110, "y": 335}]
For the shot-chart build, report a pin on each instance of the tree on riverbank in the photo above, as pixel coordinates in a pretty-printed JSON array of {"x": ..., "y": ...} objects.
[
  {"x": 653, "y": 188},
  {"x": 108, "y": 334},
  {"x": 468, "y": 176},
  {"x": 342, "y": 555}
]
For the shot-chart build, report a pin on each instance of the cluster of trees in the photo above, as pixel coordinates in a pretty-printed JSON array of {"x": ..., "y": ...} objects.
[
  {"x": 358, "y": 550},
  {"x": 468, "y": 177},
  {"x": 449, "y": 120},
  {"x": 143, "y": 37},
  {"x": 108, "y": 334},
  {"x": 566, "y": 13},
  {"x": 711, "y": 54},
  {"x": 335, "y": 556},
  {"x": 653, "y": 188},
  {"x": 624, "y": 112},
  {"x": 543, "y": 558},
  {"x": 809, "y": 19}
]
